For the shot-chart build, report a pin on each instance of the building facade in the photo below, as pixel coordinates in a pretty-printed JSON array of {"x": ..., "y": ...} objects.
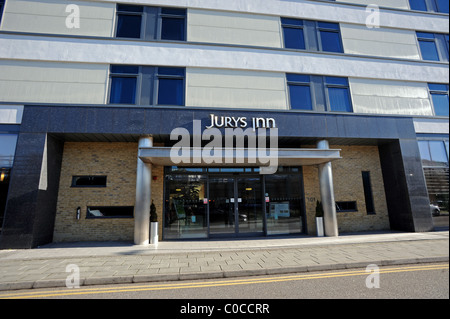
[{"x": 108, "y": 107}]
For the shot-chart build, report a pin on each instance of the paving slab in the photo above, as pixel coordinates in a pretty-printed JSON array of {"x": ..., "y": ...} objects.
[{"x": 119, "y": 262}]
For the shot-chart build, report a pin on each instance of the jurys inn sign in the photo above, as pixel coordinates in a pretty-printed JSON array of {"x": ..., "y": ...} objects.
[{"x": 240, "y": 122}]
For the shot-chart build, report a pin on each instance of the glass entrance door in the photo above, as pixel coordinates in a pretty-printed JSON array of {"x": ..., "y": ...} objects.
[{"x": 235, "y": 206}]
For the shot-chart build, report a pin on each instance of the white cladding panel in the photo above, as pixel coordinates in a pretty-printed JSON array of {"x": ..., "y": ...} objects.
[
  {"x": 382, "y": 42},
  {"x": 399, "y": 4},
  {"x": 390, "y": 97},
  {"x": 48, "y": 82},
  {"x": 11, "y": 114},
  {"x": 49, "y": 16},
  {"x": 233, "y": 28},
  {"x": 235, "y": 89},
  {"x": 313, "y": 10}
]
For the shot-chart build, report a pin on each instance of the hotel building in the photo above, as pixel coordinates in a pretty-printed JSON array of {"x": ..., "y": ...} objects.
[{"x": 96, "y": 97}]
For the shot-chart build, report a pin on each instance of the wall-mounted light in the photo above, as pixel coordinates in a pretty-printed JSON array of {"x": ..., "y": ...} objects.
[
  {"x": 78, "y": 213},
  {"x": 4, "y": 175}
]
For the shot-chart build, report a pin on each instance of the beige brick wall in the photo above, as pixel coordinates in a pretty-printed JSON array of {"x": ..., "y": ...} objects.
[
  {"x": 348, "y": 186},
  {"x": 118, "y": 162}
]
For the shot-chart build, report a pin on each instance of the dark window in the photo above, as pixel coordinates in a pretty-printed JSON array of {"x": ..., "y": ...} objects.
[
  {"x": 433, "y": 46},
  {"x": 147, "y": 85},
  {"x": 294, "y": 37},
  {"x": 173, "y": 24},
  {"x": 346, "y": 206},
  {"x": 2, "y": 4},
  {"x": 330, "y": 37},
  {"x": 129, "y": 21},
  {"x": 151, "y": 23},
  {"x": 171, "y": 86},
  {"x": 338, "y": 94},
  {"x": 110, "y": 212},
  {"x": 88, "y": 181},
  {"x": 368, "y": 196},
  {"x": 439, "y": 95},
  {"x": 319, "y": 93},
  {"x": 305, "y": 34},
  {"x": 299, "y": 91},
  {"x": 123, "y": 84}
]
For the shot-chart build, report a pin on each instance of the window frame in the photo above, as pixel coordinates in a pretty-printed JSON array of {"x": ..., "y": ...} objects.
[
  {"x": 129, "y": 13},
  {"x": 434, "y": 91},
  {"x": 287, "y": 25},
  {"x": 159, "y": 76},
  {"x": 441, "y": 44},
  {"x": 312, "y": 33},
  {"x": 292, "y": 82},
  {"x": 152, "y": 21},
  {"x": 137, "y": 76},
  {"x": 319, "y": 86},
  {"x": 147, "y": 76},
  {"x": 346, "y": 86},
  {"x": 337, "y": 31}
]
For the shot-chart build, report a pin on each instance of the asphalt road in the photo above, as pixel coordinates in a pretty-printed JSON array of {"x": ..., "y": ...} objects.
[{"x": 421, "y": 281}]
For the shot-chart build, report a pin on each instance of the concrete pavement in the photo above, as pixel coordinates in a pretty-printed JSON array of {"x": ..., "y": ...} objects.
[{"x": 121, "y": 262}]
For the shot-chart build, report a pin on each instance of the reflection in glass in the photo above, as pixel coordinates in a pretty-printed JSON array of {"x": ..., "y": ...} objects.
[
  {"x": 284, "y": 201},
  {"x": 185, "y": 211}
]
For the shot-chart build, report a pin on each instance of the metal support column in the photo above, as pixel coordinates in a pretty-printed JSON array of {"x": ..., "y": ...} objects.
[
  {"x": 143, "y": 197},
  {"x": 327, "y": 195}
]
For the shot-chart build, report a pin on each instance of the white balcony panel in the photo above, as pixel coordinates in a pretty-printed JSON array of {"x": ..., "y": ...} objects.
[
  {"x": 47, "y": 82},
  {"x": 390, "y": 97},
  {"x": 49, "y": 16},
  {"x": 382, "y": 42}
]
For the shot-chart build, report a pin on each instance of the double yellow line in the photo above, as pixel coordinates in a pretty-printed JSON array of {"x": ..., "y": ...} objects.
[{"x": 218, "y": 283}]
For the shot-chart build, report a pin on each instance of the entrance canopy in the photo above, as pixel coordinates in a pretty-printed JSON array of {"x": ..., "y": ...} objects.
[{"x": 167, "y": 156}]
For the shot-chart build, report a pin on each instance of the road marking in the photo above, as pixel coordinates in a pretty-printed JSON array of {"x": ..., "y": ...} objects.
[{"x": 206, "y": 284}]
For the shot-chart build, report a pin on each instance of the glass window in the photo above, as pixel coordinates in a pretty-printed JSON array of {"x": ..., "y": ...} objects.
[
  {"x": 293, "y": 33},
  {"x": 7, "y": 149},
  {"x": 88, "y": 181},
  {"x": 419, "y": 5},
  {"x": 129, "y": 20},
  {"x": 433, "y": 153},
  {"x": 442, "y": 6},
  {"x": 428, "y": 46},
  {"x": 440, "y": 97},
  {"x": 424, "y": 151},
  {"x": 123, "y": 84},
  {"x": 185, "y": 207},
  {"x": 299, "y": 91},
  {"x": 284, "y": 201},
  {"x": 171, "y": 86},
  {"x": 173, "y": 24},
  {"x": 330, "y": 37},
  {"x": 2, "y": 4},
  {"x": 110, "y": 212},
  {"x": 438, "y": 153},
  {"x": 338, "y": 94}
]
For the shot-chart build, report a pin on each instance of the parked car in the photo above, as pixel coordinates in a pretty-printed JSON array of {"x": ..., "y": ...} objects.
[{"x": 435, "y": 210}]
